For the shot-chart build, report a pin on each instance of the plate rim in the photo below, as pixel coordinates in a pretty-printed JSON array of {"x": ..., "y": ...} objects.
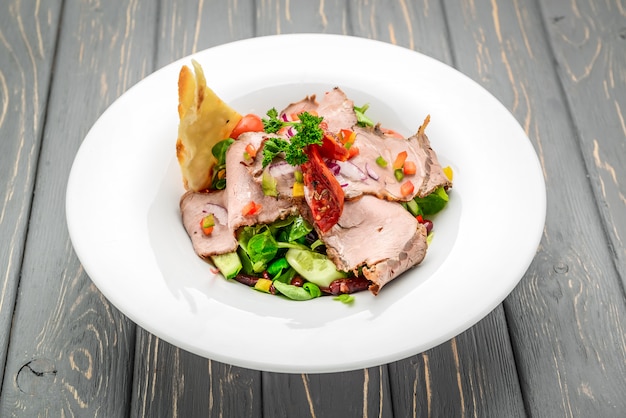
[{"x": 73, "y": 182}]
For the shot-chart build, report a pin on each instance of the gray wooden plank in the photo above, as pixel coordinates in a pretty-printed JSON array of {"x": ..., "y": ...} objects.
[
  {"x": 359, "y": 393},
  {"x": 471, "y": 375},
  {"x": 27, "y": 39},
  {"x": 589, "y": 43},
  {"x": 275, "y": 17},
  {"x": 71, "y": 352},
  {"x": 190, "y": 26},
  {"x": 566, "y": 315},
  {"x": 169, "y": 381}
]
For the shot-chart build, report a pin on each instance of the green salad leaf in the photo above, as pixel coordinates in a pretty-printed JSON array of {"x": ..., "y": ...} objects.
[
  {"x": 218, "y": 179},
  {"x": 306, "y": 292},
  {"x": 433, "y": 203}
]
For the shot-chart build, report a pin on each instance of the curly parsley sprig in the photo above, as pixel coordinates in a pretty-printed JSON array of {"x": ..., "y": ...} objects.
[{"x": 308, "y": 132}]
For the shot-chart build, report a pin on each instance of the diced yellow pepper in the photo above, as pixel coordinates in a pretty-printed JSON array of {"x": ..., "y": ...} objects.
[
  {"x": 263, "y": 285},
  {"x": 298, "y": 189},
  {"x": 448, "y": 172}
]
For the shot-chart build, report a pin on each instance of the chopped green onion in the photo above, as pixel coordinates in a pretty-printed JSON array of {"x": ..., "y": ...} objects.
[{"x": 268, "y": 184}]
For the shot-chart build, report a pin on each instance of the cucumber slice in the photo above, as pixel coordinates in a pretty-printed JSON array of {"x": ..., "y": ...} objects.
[
  {"x": 228, "y": 264},
  {"x": 314, "y": 267}
]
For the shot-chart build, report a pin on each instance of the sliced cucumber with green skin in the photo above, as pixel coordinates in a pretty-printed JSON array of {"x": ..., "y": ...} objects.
[
  {"x": 314, "y": 267},
  {"x": 228, "y": 264}
]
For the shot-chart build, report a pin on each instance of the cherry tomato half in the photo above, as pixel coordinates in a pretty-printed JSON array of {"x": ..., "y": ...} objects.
[{"x": 248, "y": 123}]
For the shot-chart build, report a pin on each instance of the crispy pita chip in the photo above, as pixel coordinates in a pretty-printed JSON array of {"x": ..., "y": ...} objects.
[{"x": 204, "y": 121}]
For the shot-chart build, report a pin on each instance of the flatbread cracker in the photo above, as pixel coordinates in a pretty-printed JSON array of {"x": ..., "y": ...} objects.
[{"x": 204, "y": 121}]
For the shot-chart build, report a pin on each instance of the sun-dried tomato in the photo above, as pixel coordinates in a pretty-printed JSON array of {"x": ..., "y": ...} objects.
[{"x": 325, "y": 193}]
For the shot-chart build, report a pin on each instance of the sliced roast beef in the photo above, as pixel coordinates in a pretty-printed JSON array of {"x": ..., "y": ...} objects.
[
  {"x": 365, "y": 176},
  {"x": 280, "y": 172},
  {"x": 433, "y": 175},
  {"x": 337, "y": 110},
  {"x": 241, "y": 189},
  {"x": 378, "y": 235},
  {"x": 194, "y": 207},
  {"x": 308, "y": 104},
  {"x": 335, "y": 107}
]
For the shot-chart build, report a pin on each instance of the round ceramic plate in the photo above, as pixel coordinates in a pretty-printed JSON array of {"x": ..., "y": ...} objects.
[{"x": 124, "y": 221}]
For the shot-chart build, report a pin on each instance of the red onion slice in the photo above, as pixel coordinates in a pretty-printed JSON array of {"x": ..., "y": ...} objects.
[
  {"x": 351, "y": 171},
  {"x": 281, "y": 168},
  {"x": 371, "y": 172},
  {"x": 333, "y": 166}
]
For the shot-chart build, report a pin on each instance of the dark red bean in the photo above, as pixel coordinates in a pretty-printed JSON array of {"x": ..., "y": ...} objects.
[
  {"x": 246, "y": 279},
  {"x": 350, "y": 285},
  {"x": 297, "y": 281},
  {"x": 428, "y": 224}
]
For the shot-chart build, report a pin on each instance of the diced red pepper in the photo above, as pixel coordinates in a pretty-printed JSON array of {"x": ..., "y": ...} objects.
[
  {"x": 353, "y": 152},
  {"x": 251, "y": 150},
  {"x": 207, "y": 223},
  {"x": 251, "y": 208},
  {"x": 400, "y": 159},
  {"x": 347, "y": 137},
  {"x": 407, "y": 188},
  {"x": 409, "y": 168}
]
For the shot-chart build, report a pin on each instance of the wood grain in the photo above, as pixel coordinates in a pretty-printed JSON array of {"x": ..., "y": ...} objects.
[
  {"x": 471, "y": 375},
  {"x": 565, "y": 317},
  {"x": 171, "y": 382},
  {"x": 27, "y": 38},
  {"x": 556, "y": 347},
  {"x": 589, "y": 44},
  {"x": 189, "y": 27},
  {"x": 363, "y": 393},
  {"x": 70, "y": 352}
]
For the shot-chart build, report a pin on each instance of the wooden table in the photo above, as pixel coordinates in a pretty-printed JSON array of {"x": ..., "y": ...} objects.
[{"x": 556, "y": 347}]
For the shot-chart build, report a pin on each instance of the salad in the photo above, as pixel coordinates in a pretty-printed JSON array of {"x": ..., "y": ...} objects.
[{"x": 312, "y": 200}]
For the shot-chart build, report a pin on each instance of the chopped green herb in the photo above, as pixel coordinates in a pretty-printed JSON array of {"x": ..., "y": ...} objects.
[
  {"x": 308, "y": 132},
  {"x": 361, "y": 119},
  {"x": 272, "y": 124},
  {"x": 344, "y": 298}
]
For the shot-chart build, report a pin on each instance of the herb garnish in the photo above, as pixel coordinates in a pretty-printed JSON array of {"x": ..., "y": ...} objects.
[
  {"x": 308, "y": 132},
  {"x": 361, "y": 119}
]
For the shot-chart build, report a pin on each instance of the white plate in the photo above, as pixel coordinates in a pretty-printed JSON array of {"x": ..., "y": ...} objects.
[{"x": 124, "y": 222}]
